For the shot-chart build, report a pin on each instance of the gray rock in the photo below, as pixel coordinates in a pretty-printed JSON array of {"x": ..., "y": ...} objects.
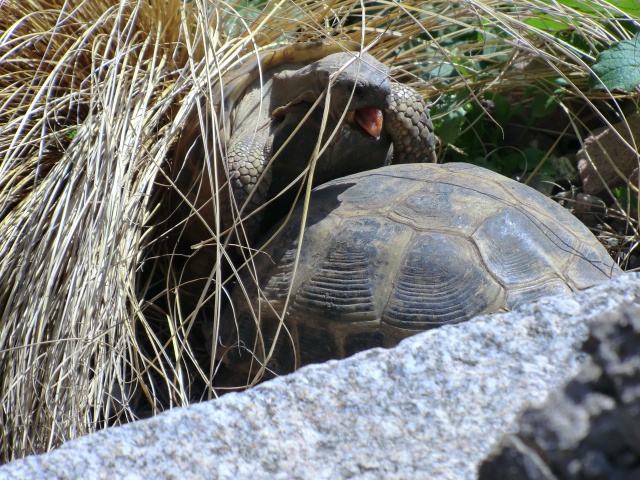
[
  {"x": 590, "y": 429},
  {"x": 433, "y": 407}
]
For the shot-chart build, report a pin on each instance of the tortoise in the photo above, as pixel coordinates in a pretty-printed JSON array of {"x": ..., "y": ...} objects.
[
  {"x": 393, "y": 251},
  {"x": 385, "y": 253},
  {"x": 271, "y": 110}
]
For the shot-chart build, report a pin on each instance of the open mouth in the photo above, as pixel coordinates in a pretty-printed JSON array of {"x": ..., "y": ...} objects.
[{"x": 369, "y": 118}]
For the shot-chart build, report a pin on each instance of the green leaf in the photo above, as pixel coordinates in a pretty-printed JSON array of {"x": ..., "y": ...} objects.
[
  {"x": 618, "y": 67},
  {"x": 577, "y": 40},
  {"x": 630, "y": 7},
  {"x": 440, "y": 71},
  {"x": 483, "y": 162},
  {"x": 625, "y": 196},
  {"x": 586, "y": 6},
  {"x": 449, "y": 127},
  {"x": 503, "y": 108},
  {"x": 543, "y": 105},
  {"x": 520, "y": 161},
  {"x": 547, "y": 23}
]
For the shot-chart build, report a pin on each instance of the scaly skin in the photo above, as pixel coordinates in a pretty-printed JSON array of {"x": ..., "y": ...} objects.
[{"x": 410, "y": 127}]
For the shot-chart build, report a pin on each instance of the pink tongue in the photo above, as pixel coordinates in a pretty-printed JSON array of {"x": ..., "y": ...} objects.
[{"x": 370, "y": 119}]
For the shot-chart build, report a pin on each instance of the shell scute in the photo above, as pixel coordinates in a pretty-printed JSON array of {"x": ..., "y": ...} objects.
[
  {"x": 544, "y": 208},
  {"x": 440, "y": 282},
  {"x": 341, "y": 285},
  {"x": 370, "y": 193},
  {"x": 519, "y": 249},
  {"x": 527, "y": 294},
  {"x": 589, "y": 266},
  {"x": 316, "y": 344},
  {"x": 441, "y": 206}
]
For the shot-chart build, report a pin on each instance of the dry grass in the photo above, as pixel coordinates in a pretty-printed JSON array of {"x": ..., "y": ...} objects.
[{"x": 94, "y": 96}]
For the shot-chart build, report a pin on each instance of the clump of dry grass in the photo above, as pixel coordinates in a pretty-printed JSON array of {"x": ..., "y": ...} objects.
[
  {"x": 95, "y": 327},
  {"x": 88, "y": 90}
]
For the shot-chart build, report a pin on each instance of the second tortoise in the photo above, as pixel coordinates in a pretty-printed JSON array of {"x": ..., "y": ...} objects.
[{"x": 401, "y": 249}]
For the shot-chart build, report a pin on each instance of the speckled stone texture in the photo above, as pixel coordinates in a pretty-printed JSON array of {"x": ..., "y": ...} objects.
[
  {"x": 433, "y": 407},
  {"x": 590, "y": 429}
]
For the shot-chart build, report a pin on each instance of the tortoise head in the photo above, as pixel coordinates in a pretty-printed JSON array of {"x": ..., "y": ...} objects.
[
  {"x": 280, "y": 112},
  {"x": 351, "y": 133},
  {"x": 353, "y": 82}
]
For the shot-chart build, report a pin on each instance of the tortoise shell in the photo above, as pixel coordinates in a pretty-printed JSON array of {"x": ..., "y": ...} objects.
[{"x": 390, "y": 252}]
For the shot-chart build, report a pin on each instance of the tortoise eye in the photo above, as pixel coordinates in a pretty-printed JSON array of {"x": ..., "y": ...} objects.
[{"x": 359, "y": 91}]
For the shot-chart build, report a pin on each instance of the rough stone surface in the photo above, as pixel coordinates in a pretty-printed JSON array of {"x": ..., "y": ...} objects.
[
  {"x": 608, "y": 145},
  {"x": 590, "y": 429},
  {"x": 433, "y": 407}
]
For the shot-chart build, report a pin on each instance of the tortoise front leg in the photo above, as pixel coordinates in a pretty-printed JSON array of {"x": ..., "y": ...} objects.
[
  {"x": 408, "y": 123},
  {"x": 246, "y": 165}
]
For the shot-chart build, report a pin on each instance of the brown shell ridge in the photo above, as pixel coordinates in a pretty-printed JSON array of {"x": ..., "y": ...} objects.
[
  {"x": 341, "y": 286},
  {"x": 281, "y": 276},
  {"x": 527, "y": 293},
  {"x": 514, "y": 255},
  {"x": 587, "y": 268},
  {"x": 433, "y": 289}
]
